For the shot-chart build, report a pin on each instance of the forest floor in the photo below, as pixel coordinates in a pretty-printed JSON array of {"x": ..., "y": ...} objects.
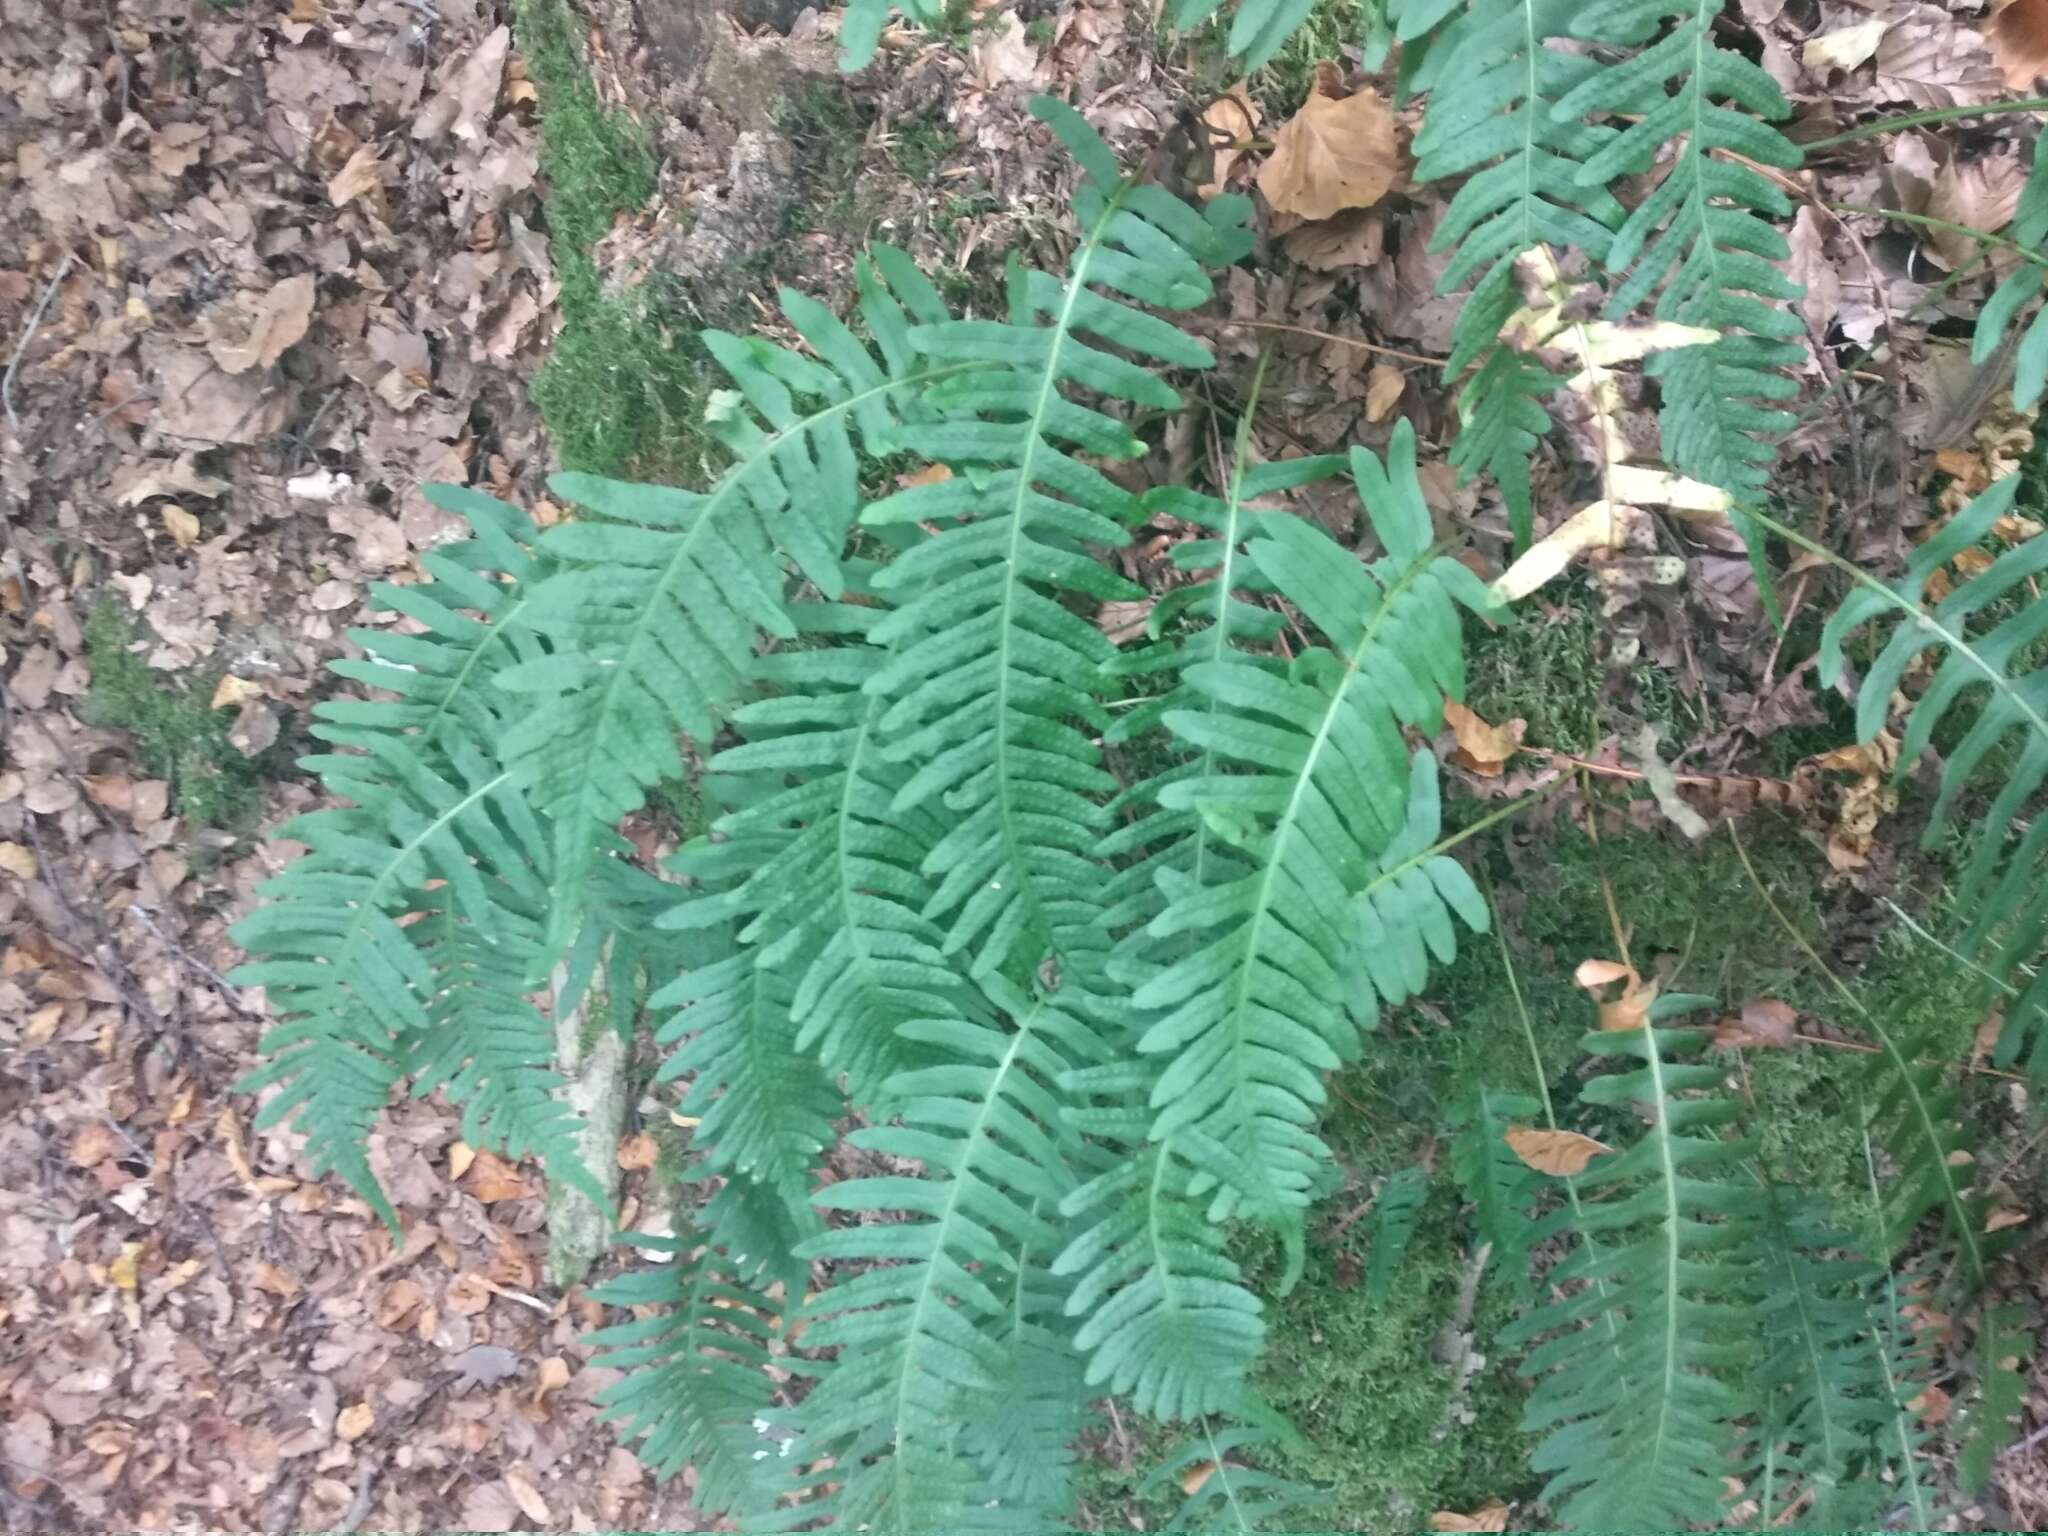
[{"x": 267, "y": 266}]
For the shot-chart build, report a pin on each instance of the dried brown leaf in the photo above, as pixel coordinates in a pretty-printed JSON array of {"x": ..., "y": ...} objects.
[
  {"x": 1490, "y": 1516},
  {"x": 266, "y": 326},
  {"x": 1930, "y": 59},
  {"x": 2019, "y": 42},
  {"x": 1484, "y": 749},
  {"x": 1331, "y": 155},
  {"x": 1555, "y": 1152},
  {"x": 1765, "y": 1023},
  {"x": 1229, "y": 121}
]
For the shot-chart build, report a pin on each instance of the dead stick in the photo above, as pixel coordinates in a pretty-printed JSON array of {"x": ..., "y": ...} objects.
[{"x": 35, "y": 323}]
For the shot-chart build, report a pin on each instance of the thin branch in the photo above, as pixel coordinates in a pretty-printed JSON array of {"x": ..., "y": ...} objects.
[
  {"x": 1885, "y": 125},
  {"x": 35, "y": 323},
  {"x": 1349, "y": 341}
]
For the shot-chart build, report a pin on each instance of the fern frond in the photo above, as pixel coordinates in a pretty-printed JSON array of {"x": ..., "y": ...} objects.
[
  {"x": 696, "y": 1392},
  {"x": 1170, "y": 1323},
  {"x": 1395, "y": 1210},
  {"x": 436, "y": 872},
  {"x": 922, "y": 1324},
  {"x": 1987, "y": 629},
  {"x": 764, "y": 1109},
  {"x": 1820, "y": 1375},
  {"x": 654, "y": 617},
  {"x": 1696, "y": 240},
  {"x": 830, "y": 888},
  {"x": 1638, "y": 1437},
  {"x": 1493, "y": 81},
  {"x": 1265, "y": 974},
  {"x": 2029, "y": 233},
  {"x": 1258, "y": 28},
  {"x": 991, "y": 669},
  {"x": 1224, "y": 1492},
  {"x": 1499, "y": 1185}
]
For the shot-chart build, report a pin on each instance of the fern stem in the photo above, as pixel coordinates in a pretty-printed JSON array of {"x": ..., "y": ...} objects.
[
  {"x": 1893, "y": 124},
  {"x": 1394, "y": 872},
  {"x": 1923, "y": 1116},
  {"x": 1958, "y": 644},
  {"x": 1928, "y": 221},
  {"x": 1894, "y": 1391}
]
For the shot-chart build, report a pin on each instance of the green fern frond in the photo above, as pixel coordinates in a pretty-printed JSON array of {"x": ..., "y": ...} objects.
[
  {"x": 1820, "y": 1377},
  {"x": 653, "y": 619},
  {"x": 436, "y": 871},
  {"x": 1169, "y": 1322},
  {"x": 1696, "y": 239},
  {"x": 1225, "y": 1492},
  {"x": 991, "y": 669},
  {"x": 2029, "y": 234},
  {"x": 1395, "y": 1210},
  {"x": 1315, "y": 795},
  {"x": 1499, "y": 1185},
  {"x": 920, "y": 1314},
  {"x": 1258, "y": 28},
  {"x": 830, "y": 888},
  {"x": 696, "y": 1392},
  {"x": 1492, "y": 81},
  {"x": 764, "y": 1109},
  {"x": 1639, "y": 1437},
  {"x": 1987, "y": 629}
]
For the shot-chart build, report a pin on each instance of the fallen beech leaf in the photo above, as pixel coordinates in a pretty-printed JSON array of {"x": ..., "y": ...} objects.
[
  {"x": 1629, "y": 1010},
  {"x": 1120, "y": 620},
  {"x": 18, "y": 861},
  {"x": 1482, "y": 748},
  {"x": 1845, "y": 47},
  {"x": 2005, "y": 1217},
  {"x": 354, "y": 1421},
  {"x": 1556, "y": 1152},
  {"x": 1355, "y": 238},
  {"x": 1193, "y": 1477},
  {"x": 273, "y": 323},
  {"x": 1230, "y": 120},
  {"x": 232, "y": 691},
  {"x": 492, "y": 1179},
  {"x": 2019, "y": 42},
  {"x": 460, "y": 1155},
  {"x": 1927, "y": 59},
  {"x": 1809, "y": 267},
  {"x": 1384, "y": 386},
  {"x": 523, "y": 1491},
  {"x": 1490, "y": 1516},
  {"x": 281, "y": 1283},
  {"x": 1765, "y": 1022},
  {"x": 1331, "y": 155},
  {"x": 182, "y": 526},
  {"x": 468, "y": 1294},
  {"x": 360, "y": 179},
  {"x": 125, "y": 1270},
  {"x": 1932, "y": 1405},
  {"x": 93, "y": 1144},
  {"x": 640, "y": 1151}
]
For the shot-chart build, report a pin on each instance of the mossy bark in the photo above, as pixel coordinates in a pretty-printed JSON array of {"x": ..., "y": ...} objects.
[{"x": 592, "y": 1061}]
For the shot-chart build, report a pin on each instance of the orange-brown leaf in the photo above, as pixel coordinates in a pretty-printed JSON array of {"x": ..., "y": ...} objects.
[
  {"x": 1482, "y": 748},
  {"x": 1331, "y": 155},
  {"x": 1490, "y": 1516},
  {"x": 1555, "y": 1152}
]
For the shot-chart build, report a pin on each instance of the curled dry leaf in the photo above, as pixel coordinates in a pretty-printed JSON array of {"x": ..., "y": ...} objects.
[
  {"x": 1564, "y": 1153},
  {"x": 1331, "y": 155},
  {"x": 1483, "y": 749},
  {"x": 1230, "y": 121},
  {"x": 1630, "y": 1008},
  {"x": 1845, "y": 47},
  {"x": 1193, "y": 1477},
  {"x": 266, "y": 325},
  {"x": 1490, "y": 1516},
  {"x": 2003, "y": 1217}
]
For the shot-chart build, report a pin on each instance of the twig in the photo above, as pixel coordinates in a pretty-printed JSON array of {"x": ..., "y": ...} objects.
[
  {"x": 35, "y": 323},
  {"x": 1915, "y": 119},
  {"x": 1349, "y": 341}
]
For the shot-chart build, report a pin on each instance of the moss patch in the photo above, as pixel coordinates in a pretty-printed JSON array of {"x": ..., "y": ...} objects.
[{"x": 179, "y": 737}]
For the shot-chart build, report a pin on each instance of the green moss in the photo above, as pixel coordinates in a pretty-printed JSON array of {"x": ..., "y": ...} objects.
[
  {"x": 1544, "y": 666},
  {"x": 622, "y": 390},
  {"x": 179, "y": 737}
]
